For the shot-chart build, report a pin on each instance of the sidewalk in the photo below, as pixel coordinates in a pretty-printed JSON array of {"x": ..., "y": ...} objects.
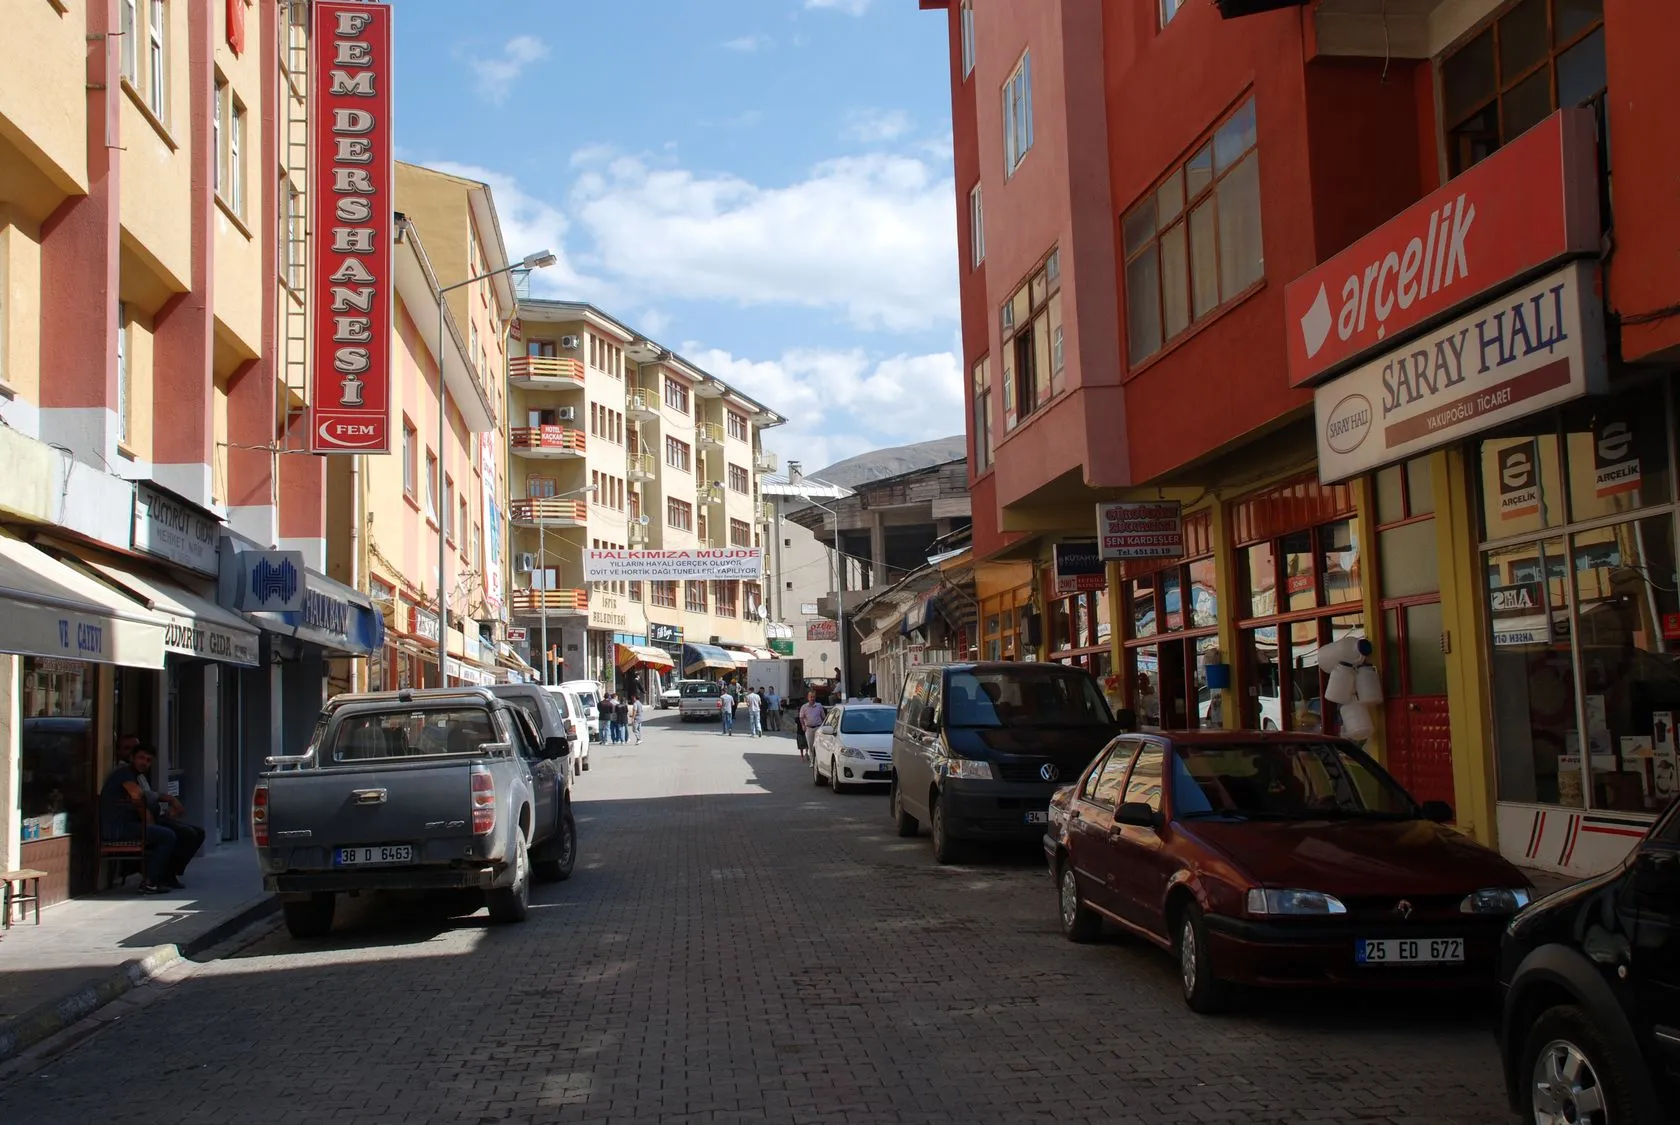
[{"x": 88, "y": 951}]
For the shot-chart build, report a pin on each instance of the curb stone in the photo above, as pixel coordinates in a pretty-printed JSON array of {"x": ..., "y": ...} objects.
[{"x": 45, "y": 1020}]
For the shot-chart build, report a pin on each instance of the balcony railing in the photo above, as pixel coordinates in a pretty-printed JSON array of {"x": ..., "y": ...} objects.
[
  {"x": 536, "y": 603},
  {"x": 765, "y": 462},
  {"x": 709, "y": 493},
  {"x": 767, "y": 513},
  {"x": 641, "y": 466},
  {"x": 535, "y": 372},
  {"x": 709, "y": 433},
  {"x": 637, "y": 532},
  {"x": 547, "y": 441},
  {"x": 641, "y": 405},
  {"x": 564, "y": 513}
]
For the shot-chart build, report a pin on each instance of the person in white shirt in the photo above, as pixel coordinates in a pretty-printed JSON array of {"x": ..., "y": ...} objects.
[
  {"x": 726, "y": 712},
  {"x": 755, "y": 712}
]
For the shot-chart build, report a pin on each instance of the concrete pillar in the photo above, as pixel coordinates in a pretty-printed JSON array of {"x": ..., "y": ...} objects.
[
  {"x": 877, "y": 550},
  {"x": 11, "y": 760},
  {"x": 201, "y": 792}
]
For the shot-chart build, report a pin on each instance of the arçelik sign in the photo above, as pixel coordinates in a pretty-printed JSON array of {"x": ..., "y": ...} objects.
[
  {"x": 351, "y": 235},
  {"x": 1530, "y": 204}
]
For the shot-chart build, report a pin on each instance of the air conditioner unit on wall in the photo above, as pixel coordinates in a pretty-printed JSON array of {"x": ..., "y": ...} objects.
[
  {"x": 570, "y": 343},
  {"x": 526, "y": 562},
  {"x": 567, "y": 413}
]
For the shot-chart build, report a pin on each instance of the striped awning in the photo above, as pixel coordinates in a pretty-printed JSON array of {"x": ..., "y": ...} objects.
[
  {"x": 739, "y": 656},
  {"x": 627, "y": 657}
]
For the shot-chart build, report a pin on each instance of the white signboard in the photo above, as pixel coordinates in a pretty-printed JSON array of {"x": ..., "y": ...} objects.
[
  {"x": 1146, "y": 529},
  {"x": 1535, "y": 347},
  {"x": 722, "y": 564},
  {"x": 173, "y": 530},
  {"x": 207, "y": 640}
]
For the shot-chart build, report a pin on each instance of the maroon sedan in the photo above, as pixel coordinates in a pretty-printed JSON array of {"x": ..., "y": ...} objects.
[{"x": 1275, "y": 859}]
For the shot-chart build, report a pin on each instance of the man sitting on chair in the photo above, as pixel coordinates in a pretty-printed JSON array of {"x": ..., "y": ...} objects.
[{"x": 170, "y": 842}]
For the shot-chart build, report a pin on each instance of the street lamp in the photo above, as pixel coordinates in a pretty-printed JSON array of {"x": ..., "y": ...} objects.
[
  {"x": 540, "y": 260},
  {"x": 542, "y": 557}
]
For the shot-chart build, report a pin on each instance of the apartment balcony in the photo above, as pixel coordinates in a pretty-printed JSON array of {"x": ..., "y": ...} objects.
[
  {"x": 766, "y": 513},
  {"x": 550, "y": 603},
  {"x": 641, "y": 467},
  {"x": 545, "y": 373},
  {"x": 639, "y": 531},
  {"x": 765, "y": 462},
  {"x": 709, "y": 433},
  {"x": 708, "y": 493},
  {"x": 710, "y": 388},
  {"x": 549, "y": 442},
  {"x": 642, "y": 406},
  {"x": 550, "y": 512}
]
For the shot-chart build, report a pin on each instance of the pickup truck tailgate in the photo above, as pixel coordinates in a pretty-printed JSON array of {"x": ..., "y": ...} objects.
[{"x": 425, "y": 804}]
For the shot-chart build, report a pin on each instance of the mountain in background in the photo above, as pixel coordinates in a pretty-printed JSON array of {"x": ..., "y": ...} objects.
[{"x": 880, "y": 463}]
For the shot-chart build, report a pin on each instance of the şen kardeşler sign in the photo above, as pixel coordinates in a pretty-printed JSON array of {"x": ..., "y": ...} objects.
[{"x": 351, "y": 235}]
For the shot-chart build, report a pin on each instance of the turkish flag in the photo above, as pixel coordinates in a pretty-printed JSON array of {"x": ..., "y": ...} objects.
[{"x": 236, "y": 26}]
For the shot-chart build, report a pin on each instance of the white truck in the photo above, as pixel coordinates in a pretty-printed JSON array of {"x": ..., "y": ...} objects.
[{"x": 787, "y": 676}]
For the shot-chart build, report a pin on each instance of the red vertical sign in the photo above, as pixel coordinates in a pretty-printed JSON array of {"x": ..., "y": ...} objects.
[{"x": 350, "y": 240}]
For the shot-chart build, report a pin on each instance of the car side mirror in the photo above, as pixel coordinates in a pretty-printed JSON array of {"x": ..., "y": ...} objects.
[
  {"x": 1137, "y": 814},
  {"x": 1438, "y": 811},
  {"x": 555, "y": 746}
]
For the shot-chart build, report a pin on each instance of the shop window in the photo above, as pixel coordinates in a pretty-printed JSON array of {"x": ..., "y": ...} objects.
[
  {"x": 1173, "y": 612},
  {"x": 1078, "y": 630},
  {"x": 1522, "y": 481},
  {"x": 1538, "y": 56},
  {"x": 1617, "y": 453}
]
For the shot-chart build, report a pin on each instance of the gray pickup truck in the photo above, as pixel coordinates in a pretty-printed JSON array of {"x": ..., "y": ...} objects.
[{"x": 454, "y": 791}]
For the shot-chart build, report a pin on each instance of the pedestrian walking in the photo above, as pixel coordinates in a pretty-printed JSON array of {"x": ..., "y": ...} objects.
[
  {"x": 726, "y": 712},
  {"x": 772, "y": 709},
  {"x": 755, "y": 713},
  {"x": 810, "y": 717},
  {"x": 621, "y": 720},
  {"x": 636, "y": 719}
]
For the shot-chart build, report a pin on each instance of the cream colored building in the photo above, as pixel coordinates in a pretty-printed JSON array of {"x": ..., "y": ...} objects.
[{"x": 617, "y": 442}]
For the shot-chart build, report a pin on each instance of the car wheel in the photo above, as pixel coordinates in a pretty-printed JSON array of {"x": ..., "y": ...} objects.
[
  {"x": 1267, "y": 724},
  {"x": 1567, "y": 1074},
  {"x": 1079, "y": 922},
  {"x": 311, "y": 917},
  {"x": 944, "y": 848},
  {"x": 834, "y": 775},
  {"x": 563, "y": 849},
  {"x": 512, "y": 903},
  {"x": 903, "y": 822},
  {"x": 1204, "y": 992}
]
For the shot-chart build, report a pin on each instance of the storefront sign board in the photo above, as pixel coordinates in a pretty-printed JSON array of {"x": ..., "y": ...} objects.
[
  {"x": 173, "y": 529},
  {"x": 665, "y": 634},
  {"x": 1529, "y": 205},
  {"x": 1535, "y": 347},
  {"x": 686, "y": 565},
  {"x": 606, "y": 611},
  {"x": 516, "y": 633},
  {"x": 423, "y": 624},
  {"x": 822, "y": 629},
  {"x": 1140, "y": 529},
  {"x": 1079, "y": 568},
  {"x": 351, "y": 237},
  {"x": 270, "y": 582}
]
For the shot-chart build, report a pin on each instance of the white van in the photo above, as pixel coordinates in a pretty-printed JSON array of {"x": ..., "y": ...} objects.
[
  {"x": 589, "y": 694},
  {"x": 577, "y": 726}
]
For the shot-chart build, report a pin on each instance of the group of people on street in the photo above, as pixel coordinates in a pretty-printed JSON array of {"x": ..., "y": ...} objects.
[
  {"x": 621, "y": 717},
  {"x": 130, "y": 809},
  {"x": 764, "y": 708}
]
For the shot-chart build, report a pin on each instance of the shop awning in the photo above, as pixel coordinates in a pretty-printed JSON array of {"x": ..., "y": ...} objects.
[
  {"x": 758, "y": 653},
  {"x": 50, "y": 609},
  {"x": 704, "y": 658},
  {"x": 192, "y": 625},
  {"x": 626, "y": 657},
  {"x": 739, "y": 656}
]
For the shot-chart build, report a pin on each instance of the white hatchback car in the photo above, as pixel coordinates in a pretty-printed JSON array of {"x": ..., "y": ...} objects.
[
  {"x": 577, "y": 725},
  {"x": 854, "y": 746},
  {"x": 589, "y": 695}
]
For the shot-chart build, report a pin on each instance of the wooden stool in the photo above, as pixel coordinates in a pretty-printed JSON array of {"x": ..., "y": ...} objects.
[{"x": 22, "y": 885}]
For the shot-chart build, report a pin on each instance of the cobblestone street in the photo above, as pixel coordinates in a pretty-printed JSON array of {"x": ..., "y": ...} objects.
[{"x": 739, "y": 946}]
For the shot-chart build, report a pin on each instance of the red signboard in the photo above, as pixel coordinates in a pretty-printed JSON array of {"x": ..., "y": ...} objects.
[
  {"x": 351, "y": 228},
  {"x": 1530, "y": 204}
]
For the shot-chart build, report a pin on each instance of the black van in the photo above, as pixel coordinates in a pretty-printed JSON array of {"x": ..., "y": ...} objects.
[{"x": 978, "y": 749}]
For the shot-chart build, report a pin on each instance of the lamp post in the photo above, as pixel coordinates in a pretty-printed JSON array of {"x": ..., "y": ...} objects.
[
  {"x": 542, "y": 557},
  {"x": 837, "y": 570},
  {"x": 540, "y": 260}
]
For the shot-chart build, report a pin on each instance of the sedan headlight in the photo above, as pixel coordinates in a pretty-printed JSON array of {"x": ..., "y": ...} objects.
[
  {"x": 852, "y": 752},
  {"x": 1494, "y": 900},
  {"x": 1261, "y": 901},
  {"x": 968, "y": 769}
]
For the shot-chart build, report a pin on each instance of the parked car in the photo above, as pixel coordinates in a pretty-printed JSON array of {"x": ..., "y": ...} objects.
[
  {"x": 978, "y": 749},
  {"x": 1590, "y": 982},
  {"x": 589, "y": 695},
  {"x": 671, "y": 695},
  {"x": 854, "y": 745},
  {"x": 577, "y": 724},
  {"x": 699, "y": 700},
  {"x": 1275, "y": 859},
  {"x": 415, "y": 791}
]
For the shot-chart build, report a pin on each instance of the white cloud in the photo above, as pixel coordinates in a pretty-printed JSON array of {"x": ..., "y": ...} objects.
[
  {"x": 850, "y": 7},
  {"x": 528, "y": 225},
  {"x": 747, "y": 44},
  {"x": 842, "y": 402},
  {"x": 873, "y": 126},
  {"x": 871, "y": 236},
  {"x": 497, "y": 75}
]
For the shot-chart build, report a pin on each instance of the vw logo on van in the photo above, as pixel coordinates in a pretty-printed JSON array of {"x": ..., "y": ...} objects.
[{"x": 1049, "y": 772}]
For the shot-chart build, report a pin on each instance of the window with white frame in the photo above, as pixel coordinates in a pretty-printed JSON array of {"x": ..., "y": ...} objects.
[
  {"x": 124, "y": 384},
  {"x": 156, "y": 72},
  {"x": 236, "y": 146},
  {"x": 130, "y": 45},
  {"x": 218, "y": 111},
  {"x": 431, "y": 485},
  {"x": 976, "y": 229},
  {"x": 966, "y": 19},
  {"x": 1017, "y": 115},
  {"x": 1169, "y": 9}
]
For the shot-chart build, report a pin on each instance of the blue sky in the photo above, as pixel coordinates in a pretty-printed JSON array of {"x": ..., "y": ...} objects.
[{"x": 764, "y": 185}]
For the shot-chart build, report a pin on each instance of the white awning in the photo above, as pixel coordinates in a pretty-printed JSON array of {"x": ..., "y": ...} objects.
[
  {"x": 50, "y": 609},
  {"x": 192, "y": 625}
]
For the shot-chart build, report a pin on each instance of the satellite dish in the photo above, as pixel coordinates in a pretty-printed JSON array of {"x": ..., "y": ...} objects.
[{"x": 643, "y": 520}]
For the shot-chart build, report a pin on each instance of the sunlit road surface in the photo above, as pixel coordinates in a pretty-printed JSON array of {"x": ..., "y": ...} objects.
[{"x": 737, "y": 945}]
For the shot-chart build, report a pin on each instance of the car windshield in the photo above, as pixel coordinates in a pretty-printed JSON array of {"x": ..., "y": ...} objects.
[
  {"x": 411, "y": 734},
  {"x": 1025, "y": 697},
  {"x": 1284, "y": 781},
  {"x": 702, "y": 690},
  {"x": 872, "y": 720}
]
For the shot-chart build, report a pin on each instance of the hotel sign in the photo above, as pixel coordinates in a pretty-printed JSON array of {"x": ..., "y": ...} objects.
[
  {"x": 1527, "y": 206},
  {"x": 351, "y": 228},
  {"x": 1537, "y": 346}
]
